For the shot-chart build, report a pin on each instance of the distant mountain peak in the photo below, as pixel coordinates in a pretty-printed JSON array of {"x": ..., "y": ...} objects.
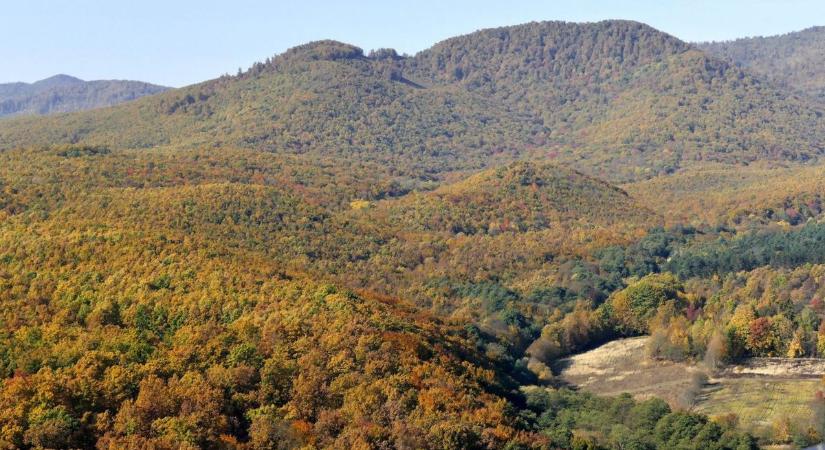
[
  {"x": 65, "y": 93},
  {"x": 59, "y": 79},
  {"x": 326, "y": 50},
  {"x": 548, "y": 50}
]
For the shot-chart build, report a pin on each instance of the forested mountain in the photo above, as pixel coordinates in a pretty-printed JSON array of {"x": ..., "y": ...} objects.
[
  {"x": 619, "y": 100},
  {"x": 623, "y": 96},
  {"x": 63, "y": 93},
  {"x": 336, "y": 249},
  {"x": 795, "y": 59}
]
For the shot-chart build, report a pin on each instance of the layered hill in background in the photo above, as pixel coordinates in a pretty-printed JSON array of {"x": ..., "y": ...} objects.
[
  {"x": 795, "y": 59},
  {"x": 618, "y": 100},
  {"x": 63, "y": 93}
]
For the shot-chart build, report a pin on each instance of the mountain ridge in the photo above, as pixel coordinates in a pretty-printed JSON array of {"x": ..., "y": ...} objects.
[
  {"x": 616, "y": 99},
  {"x": 63, "y": 93},
  {"x": 792, "y": 59}
]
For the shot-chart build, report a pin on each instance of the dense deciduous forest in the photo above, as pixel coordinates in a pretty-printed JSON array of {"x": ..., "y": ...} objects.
[
  {"x": 170, "y": 298},
  {"x": 336, "y": 249}
]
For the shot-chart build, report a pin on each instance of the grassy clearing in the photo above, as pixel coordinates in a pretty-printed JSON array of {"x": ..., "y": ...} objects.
[
  {"x": 621, "y": 366},
  {"x": 760, "y": 404},
  {"x": 762, "y": 393}
]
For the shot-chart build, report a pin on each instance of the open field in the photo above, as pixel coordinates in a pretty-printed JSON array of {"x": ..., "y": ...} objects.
[
  {"x": 760, "y": 403},
  {"x": 762, "y": 392},
  {"x": 621, "y": 366}
]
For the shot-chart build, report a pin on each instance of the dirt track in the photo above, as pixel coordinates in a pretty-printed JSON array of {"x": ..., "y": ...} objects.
[{"x": 777, "y": 368}]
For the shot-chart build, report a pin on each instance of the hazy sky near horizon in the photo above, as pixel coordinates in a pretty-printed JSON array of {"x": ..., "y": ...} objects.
[{"x": 179, "y": 42}]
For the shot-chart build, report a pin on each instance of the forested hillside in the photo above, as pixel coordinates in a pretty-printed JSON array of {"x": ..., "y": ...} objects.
[
  {"x": 739, "y": 198},
  {"x": 133, "y": 336},
  {"x": 176, "y": 299},
  {"x": 794, "y": 59},
  {"x": 339, "y": 249},
  {"x": 62, "y": 93},
  {"x": 623, "y": 96}
]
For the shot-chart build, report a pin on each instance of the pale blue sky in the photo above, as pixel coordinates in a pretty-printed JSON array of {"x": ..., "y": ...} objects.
[{"x": 176, "y": 42}]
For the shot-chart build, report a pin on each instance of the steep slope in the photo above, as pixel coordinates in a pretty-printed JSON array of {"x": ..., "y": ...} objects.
[
  {"x": 794, "y": 59},
  {"x": 616, "y": 99},
  {"x": 155, "y": 337},
  {"x": 138, "y": 284},
  {"x": 63, "y": 93}
]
